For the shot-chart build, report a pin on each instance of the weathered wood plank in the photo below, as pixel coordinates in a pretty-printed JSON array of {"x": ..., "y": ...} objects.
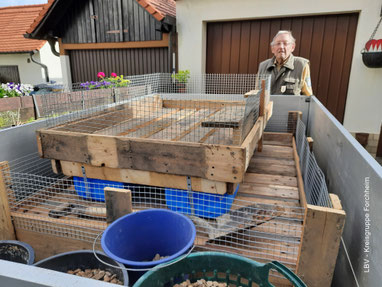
[
  {"x": 274, "y": 169},
  {"x": 118, "y": 203},
  {"x": 270, "y": 179},
  {"x": 300, "y": 182},
  {"x": 276, "y": 152},
  {"x": 200, "y": 104},
  {"x": 181, "y": 158},
  {"x": 144, "y": 177},
  {"x": 7, "y": 231},
  {"x": 259, "y": 160},
  {"x": 321, "y": 239},
  {"x": 275, "y": 191}
]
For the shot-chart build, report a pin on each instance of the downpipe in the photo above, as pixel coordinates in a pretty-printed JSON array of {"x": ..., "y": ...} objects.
[{"x": 40, "y": 64}]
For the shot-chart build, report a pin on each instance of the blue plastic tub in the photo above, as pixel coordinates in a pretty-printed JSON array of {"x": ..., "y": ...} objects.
[
  {"x": 206, "y": 205},
  {"x": 136, "y": 238},
  {"x": 94, "y": 188}
]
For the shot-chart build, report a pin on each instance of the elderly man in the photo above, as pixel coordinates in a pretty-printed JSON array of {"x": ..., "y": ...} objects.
[{"x": 290, "y": 75}]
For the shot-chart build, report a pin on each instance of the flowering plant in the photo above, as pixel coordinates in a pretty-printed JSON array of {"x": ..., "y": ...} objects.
[
  {"x": 114, "y": 81},
  {"x": 10, "y": 90}
]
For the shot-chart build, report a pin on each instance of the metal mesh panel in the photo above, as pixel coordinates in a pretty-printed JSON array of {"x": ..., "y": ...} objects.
[
  {"x": 61, "y": 207},
  {"x": 314, "y": 179},
  {"x": 207, "y": 109}
]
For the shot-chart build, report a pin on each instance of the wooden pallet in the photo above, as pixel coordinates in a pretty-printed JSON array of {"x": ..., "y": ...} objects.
[{"x": 137, "y": 138}]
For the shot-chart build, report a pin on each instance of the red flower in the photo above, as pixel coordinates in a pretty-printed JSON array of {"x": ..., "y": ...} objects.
[
  {"x": 114, "y": 75},
  {"x": 101, "y": 75}
]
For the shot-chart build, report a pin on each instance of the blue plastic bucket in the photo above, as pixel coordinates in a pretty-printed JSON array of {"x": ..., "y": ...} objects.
[
  {"x": 136, "y": 238},
  {"x": 92, "y": 188}
]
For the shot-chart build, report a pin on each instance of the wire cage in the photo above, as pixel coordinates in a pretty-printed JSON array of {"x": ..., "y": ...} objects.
[
  {"x": 206, "y": 109},
  {"x": 54, "y": 204}
]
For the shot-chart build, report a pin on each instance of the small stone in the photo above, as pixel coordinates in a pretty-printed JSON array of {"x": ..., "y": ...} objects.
[
  {"x": 107, "y": 278},
  {"x": 99, "y": 275}
]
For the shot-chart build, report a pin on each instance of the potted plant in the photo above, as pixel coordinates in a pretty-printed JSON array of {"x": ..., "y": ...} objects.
[
  {"x": 181, "y": 79},
  {"x": 372, "y": 53}
]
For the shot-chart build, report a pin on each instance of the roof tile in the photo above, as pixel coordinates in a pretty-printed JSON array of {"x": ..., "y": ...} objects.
[{"x": 14, "y": 22}]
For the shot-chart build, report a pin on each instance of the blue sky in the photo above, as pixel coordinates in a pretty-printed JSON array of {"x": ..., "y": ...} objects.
[{"x": 4, "y": 3}]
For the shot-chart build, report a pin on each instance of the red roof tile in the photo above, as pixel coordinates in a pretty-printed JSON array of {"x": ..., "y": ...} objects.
[
  {"x": 159, "y": 8},
  {"x": 14, "y": 22}
]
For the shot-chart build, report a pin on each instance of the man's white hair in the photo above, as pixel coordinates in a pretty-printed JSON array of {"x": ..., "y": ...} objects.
[{"x": 283, "y": 32}]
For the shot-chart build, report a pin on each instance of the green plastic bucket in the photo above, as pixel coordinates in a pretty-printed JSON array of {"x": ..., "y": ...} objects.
[{"x": 216, "y": 266}]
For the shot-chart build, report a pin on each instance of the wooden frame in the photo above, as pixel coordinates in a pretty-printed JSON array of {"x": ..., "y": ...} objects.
[
  {"x": 219, "y": 163},
  {"x": 115, "y": 45}
]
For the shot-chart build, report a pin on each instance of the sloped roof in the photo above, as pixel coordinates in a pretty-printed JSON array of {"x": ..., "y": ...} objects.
[
  {"x": 14, "y": 21},
  {"x": 158, "y": 8}
]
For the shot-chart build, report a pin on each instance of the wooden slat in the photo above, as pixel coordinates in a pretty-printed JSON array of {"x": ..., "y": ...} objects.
[
  {"x": 144, "y": 177},
  {"x": 274, "y": 191},
  {"x": 276, "y": 152},
  {"x": 200, "y": 104},
  {"x": 255, "y": 134},
  {"x": 274, "y": 169},
  {"x": 118, "y": 203},
  {"x": 258, "y": 160},
  {"x": 7, "y": 231},
  {"x": 300, "y": 182},
  {"x": 270, "y": 179}
]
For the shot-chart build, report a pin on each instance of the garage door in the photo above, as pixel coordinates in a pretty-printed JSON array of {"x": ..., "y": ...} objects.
[{"x": 326, "y": 40}]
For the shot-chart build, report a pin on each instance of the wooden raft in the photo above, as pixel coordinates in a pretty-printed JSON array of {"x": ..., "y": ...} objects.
[{"x": 146, "y": 150}]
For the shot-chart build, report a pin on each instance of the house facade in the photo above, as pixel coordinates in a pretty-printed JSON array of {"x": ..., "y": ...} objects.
[
  {"x": 23, "y": 60},
  {"x": 230, "y": 36},
  {"x": 126, "y": 37}
]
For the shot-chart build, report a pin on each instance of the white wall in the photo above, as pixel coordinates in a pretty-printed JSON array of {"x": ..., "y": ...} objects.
[
  {"x": 364, "y": 101},
  {"x": 52, "y": 62},
  {"x": 30, "y": 73}
]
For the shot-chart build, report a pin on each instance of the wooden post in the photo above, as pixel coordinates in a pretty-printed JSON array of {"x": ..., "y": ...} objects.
[
  {"x": 379, "y": 148},
  {"x": 310, "y": 143},
  {"x": 7, "y": 231},
  {"x": 321, "y": 239},
  {"x": 118, "y": 203},
  {"x": 292, "y": 121},
  {"x": 261, "y": 113}
]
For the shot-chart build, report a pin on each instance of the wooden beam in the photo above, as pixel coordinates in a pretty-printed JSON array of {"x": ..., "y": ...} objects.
[
  {"x": 379, "y": 148},
  {"x": 7, "y": 231},
  {"x": 300, "y": 182},
  {"x": 181, "y": 158},
  {"x": 118, "y": 203},
  {"x": 292, "y": 121},
  {"x": 310, "y": 143},
  {"x": 321, "y": 239},
  {"x": 145, "y": 177},
  {"x": 115, "y": 45},
  {"x": 255, "y": 134},
  {"x": 200, "y": 104}
]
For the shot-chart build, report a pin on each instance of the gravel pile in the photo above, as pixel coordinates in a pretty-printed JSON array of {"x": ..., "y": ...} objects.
[
  {"x": 96, "y": 274},
  {"x": 201, "y": 283}
]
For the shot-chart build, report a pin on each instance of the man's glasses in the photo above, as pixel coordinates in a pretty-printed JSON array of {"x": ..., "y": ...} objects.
[{"x": 279, "y": 44}]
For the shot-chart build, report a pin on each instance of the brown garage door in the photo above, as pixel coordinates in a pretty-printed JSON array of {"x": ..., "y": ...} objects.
[
  {"x": 85, "y": 64},
  {"x": 326, "y": 40}
]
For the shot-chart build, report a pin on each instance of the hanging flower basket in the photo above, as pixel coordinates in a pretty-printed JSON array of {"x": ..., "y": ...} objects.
[{"x": 372, "y": 54}]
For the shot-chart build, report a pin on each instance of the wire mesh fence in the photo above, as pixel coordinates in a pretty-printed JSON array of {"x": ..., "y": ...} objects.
[
  {"x": 75, "y": 208},
  {"x": 314, "y": 179},
  {"x": 206, "y": 109}
]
